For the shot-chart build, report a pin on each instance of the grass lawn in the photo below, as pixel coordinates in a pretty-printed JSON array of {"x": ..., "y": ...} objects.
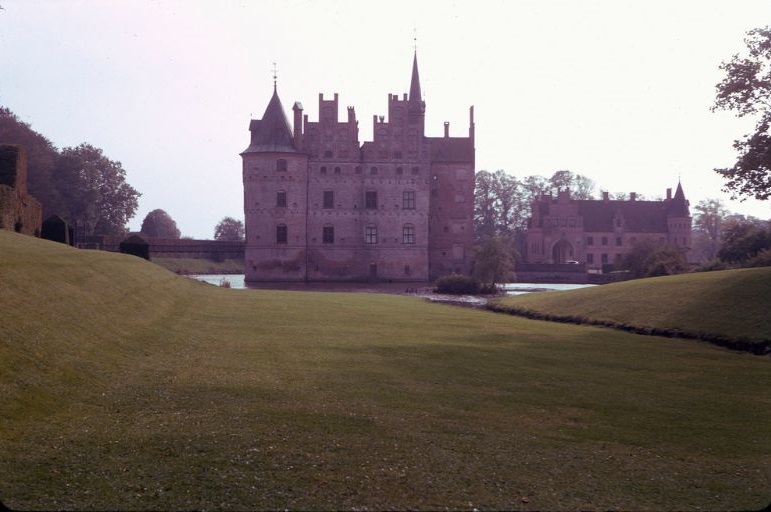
[
  {"x": 729, "y": 303},
  {"x": 201, "y": 265},
  {"x": 124, "y": 386}
]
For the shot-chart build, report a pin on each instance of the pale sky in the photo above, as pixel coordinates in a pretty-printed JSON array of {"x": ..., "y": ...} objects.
[{"x": 616, "y": 90}]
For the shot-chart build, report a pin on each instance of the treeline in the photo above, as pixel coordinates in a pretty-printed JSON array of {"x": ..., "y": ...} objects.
[
  {"x": 722, "y": 239},
  {"x": 80, "y": 184}
]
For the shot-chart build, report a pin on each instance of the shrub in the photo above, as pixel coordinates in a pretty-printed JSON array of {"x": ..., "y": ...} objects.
[
  {"x": 713, "y": 264},
  {"x": 456, "y": 284},
  {"x": 761, "y": 259}
]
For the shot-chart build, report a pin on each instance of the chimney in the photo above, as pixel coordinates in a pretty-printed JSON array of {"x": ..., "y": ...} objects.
[
  {"x": 446, "y": 129},
  {"x": 605, "y": 196},
  {"x": 633, "y": 196},
  {"x": 669, "y": 194},
  {"x": 298, "y": 125}
]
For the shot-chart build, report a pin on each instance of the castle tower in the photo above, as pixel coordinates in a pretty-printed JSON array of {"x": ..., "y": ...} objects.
[
  {"x": 275, "y": 202},
  {"x": 678, "y": 219}
]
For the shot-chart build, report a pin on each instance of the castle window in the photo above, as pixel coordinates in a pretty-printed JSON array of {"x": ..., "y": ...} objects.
[
  {"x": 281, "y": 199},
  {"x": 604, "y": 258},
  {"x": 370, "y": 234},
  {"x": 589, "y": 240},
  {"x": 370, "y": 200},
  {"x": 590, "y": 258},
  {"x": 281, "y": 165},
  {"x": 619, "y": 242},
  {"x": 281, "y": 234},
  {"x": 328, "y": 154},
  {"x": 328, "y": 234},
  {"x": 373, "y": 170},
  {"x": 398, "y": 155},
  {"x": 337, "y": 170},
  {"x": 358, "y": 169},
  {"x": 416, "y": 170},
  {"x": 399, "y": 171},
  {"x": 605, "y": 240},
  {"x": 329, "y": 199},
  {"x": 408, "y": 200},
  {"x": 408, "y": 234},
  {"x": 407, "y": 270},
  {"x": 323, "y": 169}
]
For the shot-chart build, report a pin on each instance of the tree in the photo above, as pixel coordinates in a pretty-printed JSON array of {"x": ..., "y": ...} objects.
[
  {"x": 229, "y": 230},
  {"x": 41, "y": 158},
  {"x": 746, "y": 89},
  {"x": 580, "y": 186},
  {"x": 649, "y": 258},
  {"x": 743, "y": 239},
  {"x": 159, "y": 224},
  {"x": 484, "y": 206},
  {"x": 494, "y": 261},
  {"x": 94, "y": 191},
  {"x": 80, "y": 184},
  {"x": 709, "y": 215}
]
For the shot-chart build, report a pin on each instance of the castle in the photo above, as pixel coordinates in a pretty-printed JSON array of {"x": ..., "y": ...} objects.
[
  {"x": 599, "y": 232},
  {"x": 320, "y": 206}
]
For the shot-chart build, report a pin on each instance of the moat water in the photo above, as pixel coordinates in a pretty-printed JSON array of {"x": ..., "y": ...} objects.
[{"x": 236, "y": 281}]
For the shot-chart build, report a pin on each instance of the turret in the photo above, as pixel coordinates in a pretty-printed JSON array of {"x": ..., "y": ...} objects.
[{"x": 678, "y": 218}]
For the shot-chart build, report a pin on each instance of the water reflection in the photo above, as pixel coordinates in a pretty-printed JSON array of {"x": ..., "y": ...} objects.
[{"x": 236, "y": 281}]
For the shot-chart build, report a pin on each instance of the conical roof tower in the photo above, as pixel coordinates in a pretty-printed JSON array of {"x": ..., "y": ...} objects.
[{"x": 272, "y": 133}]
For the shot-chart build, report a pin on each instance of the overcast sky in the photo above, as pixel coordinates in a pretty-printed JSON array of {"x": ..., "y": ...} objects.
[{"x": 616, "y": 90}]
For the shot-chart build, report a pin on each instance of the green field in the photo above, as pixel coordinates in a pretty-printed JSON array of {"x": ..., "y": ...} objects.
[
  {"x": 124, "y": 386},
  {"x": 732, "y": 304}
]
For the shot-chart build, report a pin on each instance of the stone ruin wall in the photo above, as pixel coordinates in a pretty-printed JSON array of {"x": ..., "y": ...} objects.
[{"x": 19, "y": 211}]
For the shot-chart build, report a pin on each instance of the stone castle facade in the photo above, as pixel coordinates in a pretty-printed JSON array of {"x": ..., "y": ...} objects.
[
  {"x": 321, "y": 206},
  {"x": 599, "y": 232}
]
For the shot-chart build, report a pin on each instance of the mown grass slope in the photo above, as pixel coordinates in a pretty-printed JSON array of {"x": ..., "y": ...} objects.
[
  {"x": 735, "y": 304},
  {"x": 126, "y": 387}
]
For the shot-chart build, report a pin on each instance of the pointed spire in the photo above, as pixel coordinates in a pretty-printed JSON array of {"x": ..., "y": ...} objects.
[
  {"x": 415, "y": 83},
  {"x": 679, "y": 204},
  {"x": 272, "y": 132}
]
